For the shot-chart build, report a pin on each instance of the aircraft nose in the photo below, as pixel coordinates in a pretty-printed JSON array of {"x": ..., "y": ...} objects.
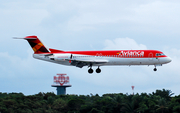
[{"x": 168, "y": 59}]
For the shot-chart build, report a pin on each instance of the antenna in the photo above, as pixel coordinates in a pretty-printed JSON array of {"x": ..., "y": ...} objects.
[{"x": 132, "y": 89}]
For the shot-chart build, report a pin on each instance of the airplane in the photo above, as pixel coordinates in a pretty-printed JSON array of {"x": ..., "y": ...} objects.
[{"x": 96, "y": 58}]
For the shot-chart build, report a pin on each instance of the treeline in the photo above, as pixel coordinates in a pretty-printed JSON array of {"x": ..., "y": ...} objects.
[{"x": 160, "y": 101}]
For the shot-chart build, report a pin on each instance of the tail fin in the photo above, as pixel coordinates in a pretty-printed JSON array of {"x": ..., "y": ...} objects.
[{"x": 36, "y": 44}]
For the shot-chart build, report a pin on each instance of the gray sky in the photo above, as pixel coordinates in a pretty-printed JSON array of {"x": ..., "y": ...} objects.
[{"x": 89, "y": 25}]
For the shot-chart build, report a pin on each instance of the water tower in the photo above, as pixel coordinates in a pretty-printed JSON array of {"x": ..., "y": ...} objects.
[{"x": 61, "y": 82}]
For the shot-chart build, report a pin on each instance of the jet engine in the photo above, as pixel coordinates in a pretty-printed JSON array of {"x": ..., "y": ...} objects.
[{"x": 62, "y": 57}]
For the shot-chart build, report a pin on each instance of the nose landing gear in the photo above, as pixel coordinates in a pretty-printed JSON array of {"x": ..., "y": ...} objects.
[{"x": 155, "y": 69}]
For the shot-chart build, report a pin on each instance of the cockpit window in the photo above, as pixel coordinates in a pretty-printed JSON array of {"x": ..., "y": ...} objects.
[{"x": 160, "y": 54}]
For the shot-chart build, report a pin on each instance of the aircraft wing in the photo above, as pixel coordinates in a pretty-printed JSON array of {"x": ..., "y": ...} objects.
[{"x": 81, "y": 63}]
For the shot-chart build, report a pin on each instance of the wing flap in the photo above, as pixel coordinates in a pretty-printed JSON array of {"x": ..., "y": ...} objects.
[{"x": 81, "y": 63}]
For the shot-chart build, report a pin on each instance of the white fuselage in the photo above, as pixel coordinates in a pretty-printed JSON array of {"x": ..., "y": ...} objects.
[{"x": 110, "y": 60}]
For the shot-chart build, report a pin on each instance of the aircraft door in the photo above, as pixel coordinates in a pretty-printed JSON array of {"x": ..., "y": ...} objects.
[{"x": 150, "y": 56}]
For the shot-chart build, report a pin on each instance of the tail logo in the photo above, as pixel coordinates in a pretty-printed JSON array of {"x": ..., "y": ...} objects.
[{"x": 37, "y": 47}]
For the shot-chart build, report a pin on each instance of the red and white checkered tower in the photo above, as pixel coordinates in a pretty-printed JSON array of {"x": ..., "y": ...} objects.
[{"x": 61, "y": 82}]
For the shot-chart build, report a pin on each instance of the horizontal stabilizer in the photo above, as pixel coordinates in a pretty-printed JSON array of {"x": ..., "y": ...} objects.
[
  {"x": 37, "y": 46},
  {"x": 24, "y": 38}
]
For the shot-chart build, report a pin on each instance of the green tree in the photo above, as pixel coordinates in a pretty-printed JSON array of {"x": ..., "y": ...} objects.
[
  {"x": 162, "y": 106},
  {"x": 75, "y": 104},
  {"x": 128, "y": 108},
  {"x": 60, "y": 105},
  {"x": 166, "y": 94}
]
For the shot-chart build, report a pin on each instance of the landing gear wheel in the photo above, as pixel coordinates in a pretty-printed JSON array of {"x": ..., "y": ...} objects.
[
  {"x": 90, "y": 71},
  {"x": 155, "y": 69},
  {"x": 98, "y": 70}
]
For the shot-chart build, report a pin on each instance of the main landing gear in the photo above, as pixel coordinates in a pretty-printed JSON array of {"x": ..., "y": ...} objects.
[
  {"x": 98, "y": 70},
  {"x": 90, "y": 71}
]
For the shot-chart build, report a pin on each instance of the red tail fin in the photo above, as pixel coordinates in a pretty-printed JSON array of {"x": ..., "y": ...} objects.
[{"x": 36, "y": 44}]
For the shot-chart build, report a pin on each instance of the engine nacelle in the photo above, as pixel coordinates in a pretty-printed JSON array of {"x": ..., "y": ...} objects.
[{"x": 62, "y": 57}]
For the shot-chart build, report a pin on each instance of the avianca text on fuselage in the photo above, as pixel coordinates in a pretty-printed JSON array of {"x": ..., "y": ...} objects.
[
  {"x": 97, "y": 58},
  {"x": 133, "y": 53}
]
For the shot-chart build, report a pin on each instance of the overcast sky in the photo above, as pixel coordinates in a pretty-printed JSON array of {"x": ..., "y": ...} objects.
[{"x": 89, "y": 25}]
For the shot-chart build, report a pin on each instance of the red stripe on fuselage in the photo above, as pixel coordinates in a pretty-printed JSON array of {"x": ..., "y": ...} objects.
[{"x": 119, "y": 53}]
